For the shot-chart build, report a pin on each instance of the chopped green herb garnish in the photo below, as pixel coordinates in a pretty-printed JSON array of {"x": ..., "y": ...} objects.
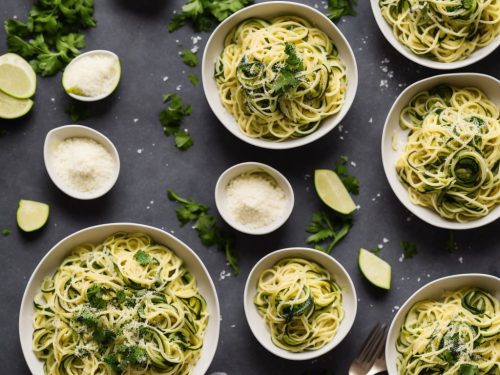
[
  {"x": 409, "y": 249},
  {"x": 193, "y": 79},
  {"x": 171, "y": 119},
  {"x": 204, "y": 13},
  {"x": 103, "y": 336},
  {"x": 351, "y": 183},
  {"x": 51, "y": 38},
  {"x": 189, "y": 58},
  {"x": 142, "y": 258},
  {"x": 376, "y": 250},
  {"x": 287, "y": 77},
  {"x": 87, "y": 318},
  {"x": 125, "y": 356},
  {"x": 468, "y": 369},
  {"x": 77, "y": 111},
  {"x": 206, "y": 226},
  {"x": 6, "y": 232},
  {"x": 327, "y": 230},
  {"x": 95, "y": 296},
  {"x": 339, "y": 8}
]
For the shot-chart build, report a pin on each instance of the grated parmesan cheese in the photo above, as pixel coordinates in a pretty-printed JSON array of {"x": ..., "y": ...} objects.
[
  {"x": 82, "y": 164},
  {"x": 255, "y": 200},
  {"x": 92, "y": 75}
]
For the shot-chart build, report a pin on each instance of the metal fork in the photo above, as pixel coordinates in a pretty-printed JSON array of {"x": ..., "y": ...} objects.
[
  {"x": 369, "y": 351},
  {"x": 380, "y": 364}
]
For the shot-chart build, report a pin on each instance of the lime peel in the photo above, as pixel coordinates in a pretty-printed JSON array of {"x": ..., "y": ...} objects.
[
  {"x": 376, "y": 270},
  {"x": 332, "y": 191},
  {"x": 32, "y": 215}
]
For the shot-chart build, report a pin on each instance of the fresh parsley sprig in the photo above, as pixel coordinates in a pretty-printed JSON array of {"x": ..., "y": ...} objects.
[
  {"x": 350, "y": 182},
  {"x": 327, "y": 230},
  {"x": 50, "y": 38},
  {"x": 206, "y": 226},
  {"x": 189, "y": 58},
  {"x": 339, "y": 8},
  {"x": 205, "y": 13},
  {"x": 287, "y": 77},
  {"x": 171, "y": 118}
]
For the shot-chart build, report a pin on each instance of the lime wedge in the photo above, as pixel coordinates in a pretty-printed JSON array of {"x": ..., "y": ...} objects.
[
  {"x": 377, "y": 271},
  {"x": 32, "y": 215},
  {"x": 17, "y": 77},
  {"x": 11, "y": 108},
  {"x": 332, "y": 191}
]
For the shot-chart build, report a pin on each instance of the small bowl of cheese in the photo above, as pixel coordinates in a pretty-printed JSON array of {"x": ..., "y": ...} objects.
[
  {"x": 92, "y": 76},
  {"x": 81, "y": 162},
  {"x": 254, "y": 198}
]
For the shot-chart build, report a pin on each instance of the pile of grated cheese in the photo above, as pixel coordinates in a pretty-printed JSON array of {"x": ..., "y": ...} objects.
[
  {"x": 255, "y": 200},
  {"x": 92, "y": 75},
  {"x": 82, "y": 164}
]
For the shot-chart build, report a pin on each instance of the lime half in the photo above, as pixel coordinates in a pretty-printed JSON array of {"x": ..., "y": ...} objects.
[
  {"x": 11, "y": 108},
  {"x": 332, "y": 191},
  {"x": 377, "y": 271},
  {"x": 32, "y": 215},
  {"x": 17, "y": 77}
]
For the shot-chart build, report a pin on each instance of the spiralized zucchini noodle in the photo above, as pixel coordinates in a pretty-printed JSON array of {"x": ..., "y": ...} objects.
[
  {"x": 301, "y": 304},
  {"x": 451, "y": 160},
  {"x": 126, "y": 305},
  {"x": 456, "y": 335},
  {"x": 280, "y": 78},
  {"x": 443, "y": 30}
]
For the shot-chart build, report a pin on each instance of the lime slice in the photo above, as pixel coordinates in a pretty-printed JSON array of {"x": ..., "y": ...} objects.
[
  {"x": 332, "y": 191},
  {"x": 11, "y": 108},
  {"x": 32, "y": 215},
  {"x": 377, "y": 271},
  {"x": 17, "y": 77}
]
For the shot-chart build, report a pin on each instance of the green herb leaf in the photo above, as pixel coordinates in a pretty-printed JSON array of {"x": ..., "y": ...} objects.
[
  {"x": 409, "y": 249},
  {"x": 77, "y": 111},
  {"x": 376, "y": 250},
  {"x": 95, "y": 296},
  {"x": 50, "y": 37},
  {"x": 339, "y": 8},
  {"x": 189, "y": 58},
  {"x": 193, "y": 79},
  {"x": 171, "y": 119},
  {"x": 204, "y": 13},
  {"x": 351, "y": 183},
  {"x": 206, "y": 226},
  {"x": 287, "y": 78},
  {"x": 142, "y": 258},
  {"x": 87, "y": 318},
  {"x": 327, "y": 230},
  {"x": 103, "y": 336},
  {"x": 6, "y": 232},
  {"x": 468, "y": 369}
]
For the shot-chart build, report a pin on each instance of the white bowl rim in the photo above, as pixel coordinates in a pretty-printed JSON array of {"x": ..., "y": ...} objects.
[
  {"x": 215, "y": 315},
  {"x": 321, "y": 131},
  {"x": 416, "y": 295},
  {"x": 302, "y": 252},
  {"x": 275, "y": 174},
  {"x": 437, "y": 220},
  {"x": 386, "y": 31},
  {"x": 89, "y": 53},
  {"x": 105, "y": 142}
]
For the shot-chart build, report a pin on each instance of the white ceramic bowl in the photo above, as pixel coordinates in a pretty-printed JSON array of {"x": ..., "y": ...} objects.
[
  {"x": 237, "y": 170},
  {"x": 489, "y": 85},
  {"x": 56, "y": 136},
  {"x": 386, "y": 30},
  {"x": 268, "y": 10},
  {"x": 434, "y": 290},
  {"x": 54, "y": 257},
  {"x": 77, "y": 59},
  {"x": 257, "y": 324}
]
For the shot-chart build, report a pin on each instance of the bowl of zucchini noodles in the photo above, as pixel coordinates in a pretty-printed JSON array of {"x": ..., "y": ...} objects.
[
  {"x": 118, "y": 298},
  {"x": 451, "y": 325},
  {"x": 278, "y": 74},
  {"x": 440, "y": 34},
  {"x": 441, "y": 150},
  {"x": 300, "y": 303}
]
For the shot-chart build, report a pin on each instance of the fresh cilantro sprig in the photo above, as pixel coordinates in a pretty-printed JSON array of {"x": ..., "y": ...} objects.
[
  {"x": 350, "y": 182},
  {"x": 193, "y": 79},
  {"x": 409, "y": 249},
  {"x": 327, "y": 230},
  {"x": 339, "y": 8},
  {"x": 189, "y": 58},
  {"x": 50, "y": 38},
  {"x": 287, "y": 77},
  {"x": 171, "y": 118},
  {"x": 142, "y": 258},
  {"x": 205, "y": 13},
  {"x": 206, "y": 227}
]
